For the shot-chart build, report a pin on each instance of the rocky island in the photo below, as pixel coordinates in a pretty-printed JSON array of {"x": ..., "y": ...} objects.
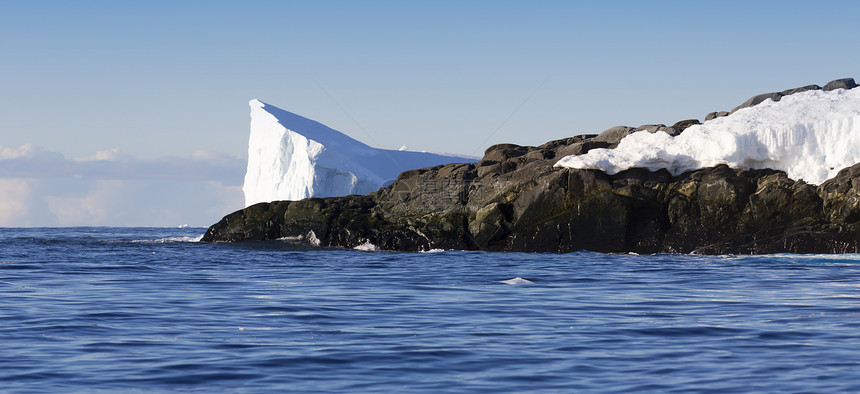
[{"x": 521, "y": 198}]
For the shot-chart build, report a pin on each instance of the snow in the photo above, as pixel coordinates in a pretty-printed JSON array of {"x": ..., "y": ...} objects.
[
  {"x": 809, "y": 135},
  {"x": 291, "y": 157}
]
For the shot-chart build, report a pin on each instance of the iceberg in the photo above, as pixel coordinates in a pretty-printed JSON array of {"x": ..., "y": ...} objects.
[
  {"x": 291, "y": 157},
  {"x": 810, "y": 135}
]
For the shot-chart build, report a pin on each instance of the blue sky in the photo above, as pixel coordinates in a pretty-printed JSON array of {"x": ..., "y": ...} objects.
[{"x": 168, "y": 83}]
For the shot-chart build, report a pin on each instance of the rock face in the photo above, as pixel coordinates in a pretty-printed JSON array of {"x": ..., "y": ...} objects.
[
  {"x": 844, "y": 83},
  {"x": 514, "y": 200}
]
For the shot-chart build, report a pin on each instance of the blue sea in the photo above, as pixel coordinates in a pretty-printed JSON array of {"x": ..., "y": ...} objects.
[{"x": 150, "y": 310}]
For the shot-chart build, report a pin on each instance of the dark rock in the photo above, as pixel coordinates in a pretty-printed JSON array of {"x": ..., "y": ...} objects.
[
  {"x": 538, "y": 208},
  {"x": 844, "y": 83},
  {"x": 651, "y": 128},
  {"x": 503, "y": 152},
  {"x": 613, "y": 135},
  {"x": 515, "y": 200},
  {"x": 671, "y": 130},
  {"x": 581, "y": 148},
  {"x": 758, "y": 99},
  {"x": 255, "y": 223},
  {"x": 841, "y": 196},
  {"x": 773, "y": 194},
  {"x": 800, "y": 89},
  {"x": 567, "y": 141},
  {"x": 539, "y": 154},
  {"x": 491, "y": 224},
  {"x": 682, "y": 125},
  {"x": 714, "y": 115}
]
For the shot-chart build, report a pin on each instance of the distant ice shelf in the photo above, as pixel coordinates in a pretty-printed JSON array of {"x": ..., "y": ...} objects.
[
  {"x": 291, "y": 157},
  {"x": 809, "y": 135}
]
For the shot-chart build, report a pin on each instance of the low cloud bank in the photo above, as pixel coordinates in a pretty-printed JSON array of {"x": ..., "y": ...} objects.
[
  {"x": 43, "y": 188},
  {"x": 30, "y": 161}
]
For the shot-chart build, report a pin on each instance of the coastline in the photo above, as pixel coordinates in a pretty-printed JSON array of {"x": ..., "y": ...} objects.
[{"x": 515, "y": 199}]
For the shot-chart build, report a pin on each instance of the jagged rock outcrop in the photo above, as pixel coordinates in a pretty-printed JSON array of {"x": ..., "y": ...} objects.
[
  {"x": 844, "y": 83},
  {"x": 513, "y": 199}
]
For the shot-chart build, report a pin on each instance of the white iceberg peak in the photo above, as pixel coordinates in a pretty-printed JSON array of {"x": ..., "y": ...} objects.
[
  {"x": 809, "y": 135},
  {"x": 291, "y": 157}
]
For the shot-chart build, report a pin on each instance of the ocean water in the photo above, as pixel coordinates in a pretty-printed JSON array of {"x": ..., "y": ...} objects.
[{"x": 147, "y": 310}]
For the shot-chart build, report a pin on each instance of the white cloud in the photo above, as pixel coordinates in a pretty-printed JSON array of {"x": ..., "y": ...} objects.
[
  {"x": 15, "y": 202},
  {"x": 105, "y": 155},
  {"x": 90, "y": 209},
  {"x": 84, "y": 202},
  {"x": 110, "y": 188},
  {"x": 28, "y": 151},
  {"x": 29, "y": 161}
]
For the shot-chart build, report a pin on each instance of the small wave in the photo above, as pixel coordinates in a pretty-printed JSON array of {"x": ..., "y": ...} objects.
[
  {"x": 842, "y": 256},
  {"x": 367, "y": 247},
  {"x": 516, "y": 281},
  {"x": 431, "y": 251},
  {"x": 308, "y": 239},
  {"x": 297, "y": 238},
  {"x": 167, "y": 240},
  {"x": 312, "y": 239}
]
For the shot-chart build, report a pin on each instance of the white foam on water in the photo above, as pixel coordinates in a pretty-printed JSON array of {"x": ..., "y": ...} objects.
[
  {"x": 367, "y": 247},
  {"x": 312, "y": 239},
  {"x": 170, "y": 240},
  {"x": 516, "y": 281},
  {"x": 297, "y": 238}
]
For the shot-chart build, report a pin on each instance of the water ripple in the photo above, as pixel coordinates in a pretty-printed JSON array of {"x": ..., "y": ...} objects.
[{"x": 100, "y": 309}]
